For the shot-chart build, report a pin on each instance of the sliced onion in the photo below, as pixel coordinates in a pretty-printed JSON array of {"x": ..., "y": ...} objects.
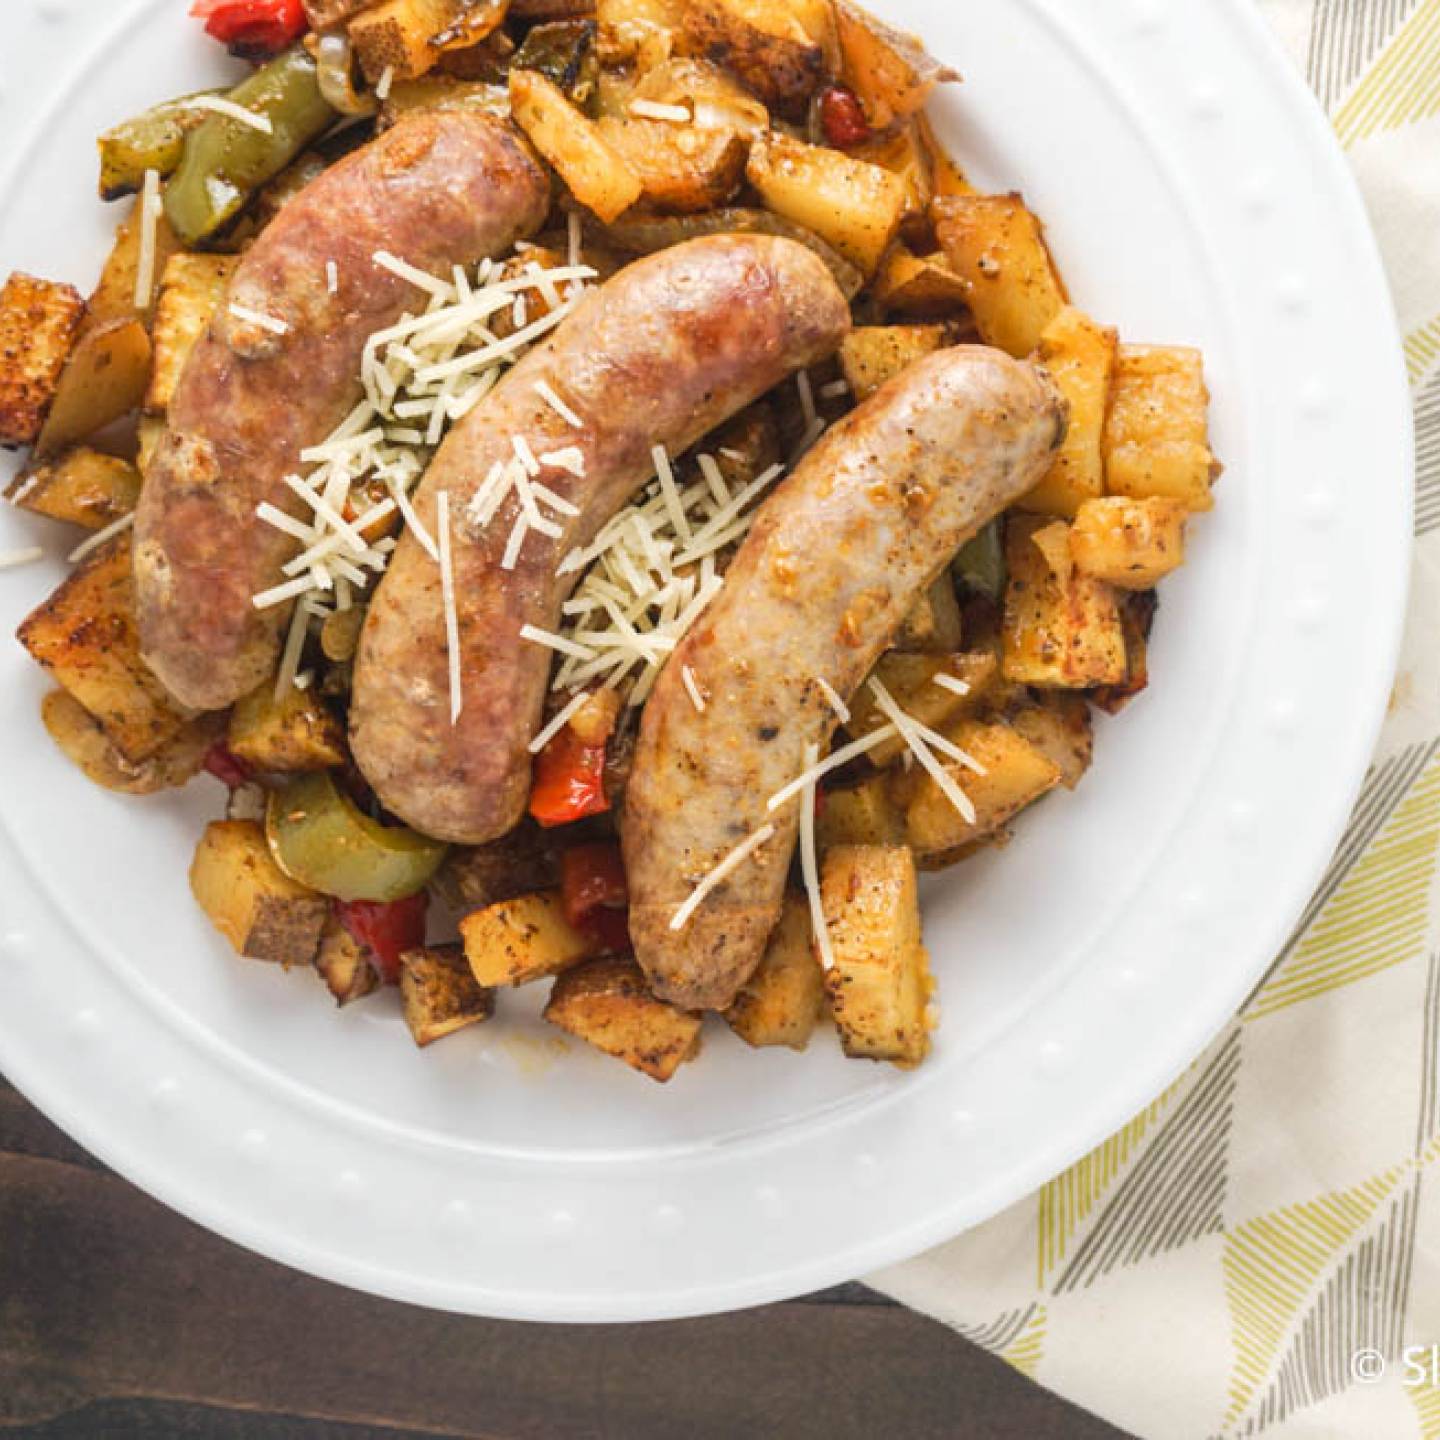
[{"x": 335, "y": 66}]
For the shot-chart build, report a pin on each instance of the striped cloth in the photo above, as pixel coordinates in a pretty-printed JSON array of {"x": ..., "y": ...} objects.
[{"x": 1258, "y": 1253}]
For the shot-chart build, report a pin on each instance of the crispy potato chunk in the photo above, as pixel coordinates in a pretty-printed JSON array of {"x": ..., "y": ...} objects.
[
  {"x": 81, "y": 487},
  {"x": 85, "y": 636},
  {"x": 1130, "y": 543},
  {"x": 522, "y": 940},
  {"x": 1061, "y": 627},
  {"x": 911, "y": 680},
  {"x": 78, "y": 735},
  {"x": 945, "y": 172},
  {"x": 880, "y": 988},
  {"x": 115, "y": 295},
  {"x": 934, "y": 626},
  {"x": 683, "y": 168},
  {"x": 1017, "y": 773},
  {"x": 293, "y": 735},
  {"x": 904, "y": 156},
  {"x": 863, "y": 814},
  {"x": 1137, "y": 614},
  {"x": 408, "y": 37},
  {"x": 998, "y": 249},
  {"x": 785, "y": 997},
  {"x": 892, "y": 73},
  {"x": 1157, "y": 435},
  {"x": 855, "y": 206},
  {"x": 342, "y": 963},
  {"x": 190, "y": 293},
  {"x": 105, "y": 377},
  {"x": 439, "y": 994},
  {"x": 1080, "y": 355},
  {"x": 1059, "y": 727},
  {"x": 608, "y": 1005},
  {"x": 594, "y": 170},
  {"x": 873, "y": 355},
  {"x": 782, "y": 50},
  {"x": 920, "y": 287},
  {"x": 259, "y": 909},
  {"x": 483, "y": 875},
  {"x": 38, "y": 321}
]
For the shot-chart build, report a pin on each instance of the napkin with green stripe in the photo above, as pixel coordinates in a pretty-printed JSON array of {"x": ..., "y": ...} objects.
[{"x": 1258, "y": 1252}]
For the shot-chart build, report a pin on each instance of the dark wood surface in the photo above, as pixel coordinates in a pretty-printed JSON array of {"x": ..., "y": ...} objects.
[{"x": 119, "y": 1318}]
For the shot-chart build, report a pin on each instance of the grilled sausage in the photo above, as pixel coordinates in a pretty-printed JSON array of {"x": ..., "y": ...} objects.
[
  {"x": 661, "y": 355},
  {"x": 834, "y": 562},
  {"x": 436, "y": 189}
]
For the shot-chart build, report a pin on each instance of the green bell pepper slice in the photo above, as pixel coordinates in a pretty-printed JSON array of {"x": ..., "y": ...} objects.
[{"x": 980, "y": 565}]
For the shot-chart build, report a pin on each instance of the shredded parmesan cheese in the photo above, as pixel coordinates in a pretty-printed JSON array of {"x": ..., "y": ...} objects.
[
  {"x": 842, "y": 757},
  {"x": 832, "y": 698},
  {"x": 100, "y": 537},
  {"x": 546, "y": 392},
  {"x": 387, "y": 79},
  {"x": 835, "y": 390},
  {"x": 561, "y": 719},
  {"x": 219, "y": 105},
  {"x": 257, "y": 318},
  {"x": 915, "y": 736},
  {"x": 332, "y": 277},
  {"x": 447, "y": 596},
  {"x": 654, "y": 110},
  {"x": 810, "y": 865},
  {"x": 692, "y": 687},
  {"x": 953, "y": 683},
  {"x": 11, "y": 559},
  {"x": 290, "y": 657},
  {"x": 722, "y": 872},
  {"x": 149, "y": 216}
]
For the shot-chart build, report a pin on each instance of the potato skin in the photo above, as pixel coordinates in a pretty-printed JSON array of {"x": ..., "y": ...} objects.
[
  {"x": 762, "y": 43},
  {"x": 38, "y": 320},
  {"x": 439, "y": 994}
]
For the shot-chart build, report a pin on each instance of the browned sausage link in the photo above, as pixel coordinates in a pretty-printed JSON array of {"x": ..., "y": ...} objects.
[
  {"x": 437, "y": 189},
  {"x": 666, "y": 351},
  {"x": 836, "y": 559}
]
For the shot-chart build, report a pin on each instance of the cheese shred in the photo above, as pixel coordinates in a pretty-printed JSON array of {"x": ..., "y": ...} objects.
[
  {"x": 810, "y": 865},
  {"x": 718, "y": 876},
  {"x": 447, "y": 595}
]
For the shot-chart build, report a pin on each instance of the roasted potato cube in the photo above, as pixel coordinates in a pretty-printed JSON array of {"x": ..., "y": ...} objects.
[
  {"x": 782, "y": 50},
  {"x": 407, "y": 37},
  {"x": 933, "y": 627},
  {"x": 902, "y": 154},
  {"x": 259, "y": 909},
  {"x": 1059, "y": 727},
  {"x": 1017, "y": 773},
  {"x": 880, "y": 986},
  {"x": 594, "y": 170},
  {"x": 115, "y": 294},
  {"x": 522, "y": 862},
  {"x": 190, "y": 293},
  {"x": 712, "y": 95},
  {"x": 81, "y": 487},
  {"x": 439, "y": 994},
  {"x": 522, "y": 940},
  {"x": 998, "y": 249},
  {"x": 1133, "y": 544},
  {"x": 1156, "y": 437},
  {"x": 683, "y": 168},
  {"x": 645, "y": 31},
  {"x": 343, "y": 963},
  {"x": 1137, "y": 613},
  {"x": 38, "y": 321},
  {"x": 945, "y": 173},
  {"x": 608, "y": 1005},
  {"x": 85, "y": 636},
  {"x": 914, "y": 287},
  {"x": 912, "y": 681},
  {"x": 105, "y": 377},
  {"x": 81, "y": 740},
  {"x": 1080, "y": 355},
  {"x": 863, "y": 814},
  {"x": 873, "y": 355},
  {"x": 783, "y": 999},
  {"x": 1061, "y": 627},
  {"x": 148, "y": 435},
  {"x": 293, "y": 734},
  {"x": 854, "y": 206},
  {"x": 892, "y": 73}
]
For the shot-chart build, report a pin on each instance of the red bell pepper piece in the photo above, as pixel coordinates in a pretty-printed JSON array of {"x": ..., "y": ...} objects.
[
  {"x": 595, "y": 896},
  {"x": 569, "y": 781},
  {"x": 226, "y": 766},
  {"x": 842, "y": 118},
  {"x": 253, "y": 27},
  {"x": 386, "y": 931}
]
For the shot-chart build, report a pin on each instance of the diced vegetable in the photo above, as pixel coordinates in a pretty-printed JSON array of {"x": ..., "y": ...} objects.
[
  {"x": 901, "y": 153},
  {"x": 321, "y": 838},
  {"x": 521, "y": 862},
  {"x": 863, "y": 814},
  {"x": 569, "y": 781},
  {"x": 78, "y": 735},
  {"x": 226, "y": 161},
  {"x": 81, "y": 487},
  {"x": 407, "y": 37},
  {"x": 714, "y": 98},
  {"x": 980, "y": 566},
  {"x": 252, "y": 28},
  {"x": 1062, "y": 628},
  {"x": 910, "y": 679},
  {"x": 783, "y": 50},
  {"x": 325, "y": 14},
  {"x": 852, "y": 205},
  {"x": 892, "y": 73},
  {"x": 38, "y": 321},
  {"x": 104, "y": 378},
  {"x": 263, "y": 913},
  {"x": 227, "y": 767},
  {"x": 439, "y": 994},
  {"x": 1137, "y": 614},
  {"x": 386, "y": 929},
  {"x": 933, "y": 627},
  {"x": 564, "y": 53},
  {"x": 785, "y": 997},
  {"x": 914, "y": 287},
  {"x": 1017, "y": 773},
  {"x": 595, "y": 895},
  {"x": 1059, "y": 727},
  {"x": 597, "y": 175},
  {"x": 873, "y": 355},
  {"x": 1080, "y": 356},
  {"x": 191, "y": 291},
  {"x": 522, "y": 940},
  {"x": 880, "y": 988},
  {"x": 289, "y": 735},
  {"x": 1156, "y": 440},
  {"x": 608, "y": 1005},
  {"x": 842, "y": 118},
  {"x": 682, "y": 168},
  {"x": 444, "y": 92},
  {"x": 997, "y": 247},
  {"x": 154, "y": 140},
  {"x": 1130, "y": 543},
  {"x": 85, "y": 636},
  {"x": 344, "y": 964}
]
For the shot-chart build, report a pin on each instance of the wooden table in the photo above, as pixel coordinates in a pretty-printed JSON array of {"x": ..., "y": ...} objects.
[{"x": 119, "y": 1318}]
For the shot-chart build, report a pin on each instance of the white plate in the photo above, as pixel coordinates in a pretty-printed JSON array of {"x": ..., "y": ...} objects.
[{"x": 1193, "y": 195}]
